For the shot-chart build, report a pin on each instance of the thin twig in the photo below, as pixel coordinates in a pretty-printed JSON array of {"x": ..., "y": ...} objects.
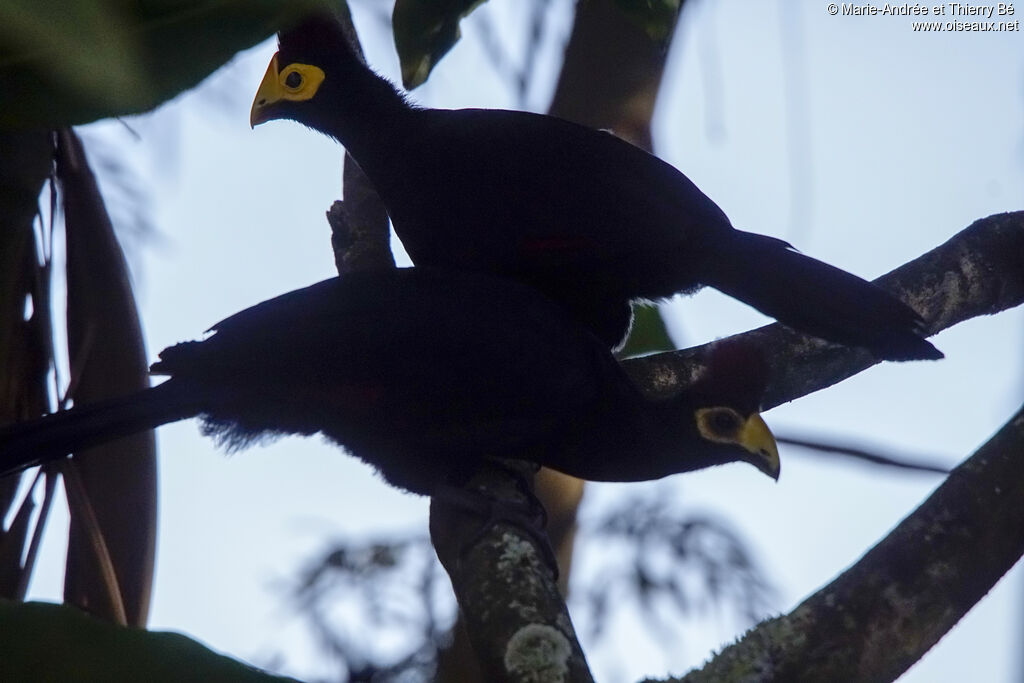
[{"x": 861, "y": 453}]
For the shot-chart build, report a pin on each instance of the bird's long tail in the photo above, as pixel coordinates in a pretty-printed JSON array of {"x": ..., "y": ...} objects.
[
  {"x": 816, "y": 298},
  {"x": 25, "y": 444}
]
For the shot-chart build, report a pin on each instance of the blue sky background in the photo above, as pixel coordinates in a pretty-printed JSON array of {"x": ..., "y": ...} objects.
[{"x": 863, "y": 142}]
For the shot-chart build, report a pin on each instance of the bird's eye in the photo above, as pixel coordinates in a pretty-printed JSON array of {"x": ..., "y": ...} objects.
[
  {"x": 293, "y": 80},
  {"x": 724, "y": 422}
]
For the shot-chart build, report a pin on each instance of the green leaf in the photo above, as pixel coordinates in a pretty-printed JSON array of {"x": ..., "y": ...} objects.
[
  {"x": 648, "y": 334},
  {"x": 45, "y": 642},
  {"x": 424, "y": 32},
  {"x": 656, "y": 17},
  {"x": 65, "y": 62}
]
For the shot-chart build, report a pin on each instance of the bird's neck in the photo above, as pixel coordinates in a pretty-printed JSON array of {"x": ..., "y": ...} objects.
[
  {"x": 369, "y": 115},
  {"x": 642, "y": 439},
  {"x": 672, "y": 443}
]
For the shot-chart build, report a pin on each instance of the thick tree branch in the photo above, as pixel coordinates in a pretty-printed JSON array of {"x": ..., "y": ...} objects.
[
  {"x": 510, "y": 604},
  {"x": 359, "y": 225},
  {"x": 630, "y": 63},
  {"x": 884, "y": 613},
  {"x": 979, "y": 271}
]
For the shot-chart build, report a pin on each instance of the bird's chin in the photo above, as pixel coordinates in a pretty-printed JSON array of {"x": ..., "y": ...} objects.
[
  {"x": 260, "y": 116},
  {"x": 767, "y": 467}
]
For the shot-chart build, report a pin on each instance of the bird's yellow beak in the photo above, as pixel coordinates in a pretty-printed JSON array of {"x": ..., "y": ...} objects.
[
  {"x": 756, "y": 438},
  {"x": 269, "y": 92}
]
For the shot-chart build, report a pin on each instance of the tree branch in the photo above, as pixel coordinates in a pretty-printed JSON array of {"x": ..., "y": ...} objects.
[
  {"x": 880, "y": 617},
  {"x": 359, "y": 225},
  {"x": 513, "y": 612}
]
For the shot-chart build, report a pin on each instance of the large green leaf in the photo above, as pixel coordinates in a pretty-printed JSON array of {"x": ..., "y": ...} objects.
[
  {"x": 65, "y": 62},
  {"x": 424, "y": 32},
  {"x": 44, "y": 642}
]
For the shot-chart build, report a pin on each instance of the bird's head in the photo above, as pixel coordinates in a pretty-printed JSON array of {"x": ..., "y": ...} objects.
[
  {"x": 721, "y": 408},
  {"x": 305, "y": 72},
  {"x": 738, "y": 435}
]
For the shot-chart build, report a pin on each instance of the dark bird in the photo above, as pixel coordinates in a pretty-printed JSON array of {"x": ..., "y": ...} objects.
[
  {"x": 422, "y": 374},
  {"x": 588, "y": 218}
]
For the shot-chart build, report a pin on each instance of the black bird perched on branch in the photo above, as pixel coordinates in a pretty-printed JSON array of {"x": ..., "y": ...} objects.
[
  {"x": 423, "y": 373},
  {"x": 589, "y": 219}
]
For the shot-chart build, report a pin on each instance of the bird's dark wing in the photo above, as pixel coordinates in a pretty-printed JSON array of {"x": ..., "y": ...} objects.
[
  {"x": 397, "y": 366},
  {"x": 418, "y": 372},
  {"x": 394, "y": 328},
  {"x": 543, "y": 191},
  {"x": 573, "y": 208}
]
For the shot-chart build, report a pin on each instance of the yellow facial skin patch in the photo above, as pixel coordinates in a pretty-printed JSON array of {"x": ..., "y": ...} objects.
[
  {"x": 294, "y": 83},
  {"x": 725, "y": 425}
]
